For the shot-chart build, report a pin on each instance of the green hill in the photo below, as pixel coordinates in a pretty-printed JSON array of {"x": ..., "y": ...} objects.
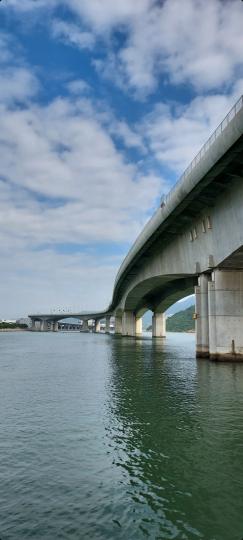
[{"x": 182, "y": 321}]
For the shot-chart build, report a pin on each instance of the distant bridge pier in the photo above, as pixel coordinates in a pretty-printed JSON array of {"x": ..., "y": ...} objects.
[
  {"x": 55, "y": 326},
  {"x": 34, "y": 325},
  {"x": 118, "y": 324},
  {"x": 139, "y": 326},
  {"x": 158, "y": 325},
  {"x": 128, "y": 324},
  {"x": 43, "y": 325},
  {"x": 97, "y": 326},
  {"x": 107, "y": 325},
  {"x": 85, "y": 326}
]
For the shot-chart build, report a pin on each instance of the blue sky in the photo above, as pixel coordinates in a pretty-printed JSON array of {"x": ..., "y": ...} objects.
[{"x": 102, "y": 106}]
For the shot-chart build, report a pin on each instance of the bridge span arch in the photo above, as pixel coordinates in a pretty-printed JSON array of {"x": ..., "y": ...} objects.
[{"x": 194, "y": 240}]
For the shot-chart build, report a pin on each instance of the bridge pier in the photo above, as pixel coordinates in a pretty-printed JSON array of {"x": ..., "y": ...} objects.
[
  {"x": 128, "y": 323},
  {"x": 202, "y": 320},
  {"x": 225, "y": 300},
  {"x": 97, "y": 326},
  {"x": 33, "y": 325},
  {"x": 158, "y": 325},
  {"x": 118, "y": 324},
  {"x": 55, "y": 326},
  {"x": 139, "y": 326},
  {"x": 107, "y": 325},
  {"x": 85, "y": 326},
  {"x": 43, "y": 326}
]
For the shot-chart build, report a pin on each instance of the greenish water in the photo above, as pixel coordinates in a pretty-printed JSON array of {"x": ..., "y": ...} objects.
[{"x": 109, "y": 438}]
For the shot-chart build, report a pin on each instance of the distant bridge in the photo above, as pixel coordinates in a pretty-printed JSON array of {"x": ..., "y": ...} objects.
[{"x": 194, "y": 241}]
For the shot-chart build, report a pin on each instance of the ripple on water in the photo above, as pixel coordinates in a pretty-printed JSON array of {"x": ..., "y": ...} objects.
[{"x": 108, "y": 438}]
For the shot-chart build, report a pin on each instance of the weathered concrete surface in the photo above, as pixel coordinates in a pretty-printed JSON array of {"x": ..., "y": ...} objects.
[
  {"x": 226, "y": 315},
  {"x": 128, "y": 324},
  {"x": 202, "y": 320},
  {"x": 139, "y": 326},
  {"x": 107, "y": 325},
  {"x": 158, "y": 325},
  {"x": 118, "y": 324}
]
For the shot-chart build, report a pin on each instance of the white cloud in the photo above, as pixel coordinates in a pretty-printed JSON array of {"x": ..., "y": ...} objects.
[
  {"x": 5, "y": 46},
  {"x": 54, "y": 149},
  {"x": 17, "y": 84},
  {"x": 175, "y": 133},
  {"x": 39, "y": 281},
  {"x": 104, "y": 15},
  {"x": 199, "y": 44},
  {"x": 30, "y": 5},
  {"x": 78, "y": 86},
  {"x": 71, "y": 33},
  {"x": 63, "y": 181},
  {"x": 130, "y": 138}
]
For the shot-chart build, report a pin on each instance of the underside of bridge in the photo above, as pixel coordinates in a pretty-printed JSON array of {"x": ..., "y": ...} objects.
[{"x": 159, "y": 293}]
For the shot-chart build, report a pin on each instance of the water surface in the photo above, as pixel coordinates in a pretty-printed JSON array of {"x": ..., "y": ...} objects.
[{"x": 104, "y": 437}]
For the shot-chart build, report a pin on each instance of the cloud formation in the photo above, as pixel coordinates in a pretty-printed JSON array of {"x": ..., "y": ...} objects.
[
  {"x": 71, "y": 33},
  {"x": 79, "y": 172},
  {"x": 199, "y": 45},
  {"x": 63, "y": 182},
  {"x": 175, "y": 133}
]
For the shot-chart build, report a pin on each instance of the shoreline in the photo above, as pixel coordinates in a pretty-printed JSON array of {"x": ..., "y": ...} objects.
[{"x": 14, "y": 329}]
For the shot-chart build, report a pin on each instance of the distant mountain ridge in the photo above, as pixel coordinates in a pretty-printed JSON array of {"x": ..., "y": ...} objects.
[
  {"x": 178, "y": 306},
  {"x": 182, "y": 321}
]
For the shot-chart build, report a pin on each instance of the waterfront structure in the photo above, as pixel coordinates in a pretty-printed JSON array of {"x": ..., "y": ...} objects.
[{"x": 194, "y": 241}]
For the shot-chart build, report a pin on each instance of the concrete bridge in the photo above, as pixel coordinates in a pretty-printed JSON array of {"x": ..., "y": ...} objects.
[
  {"x": 54, "y": 322},
  {"x": 194, "y": 241}
]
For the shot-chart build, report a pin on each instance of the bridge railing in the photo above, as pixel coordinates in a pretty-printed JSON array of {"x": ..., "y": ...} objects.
[{"x": 231, "y": 114}]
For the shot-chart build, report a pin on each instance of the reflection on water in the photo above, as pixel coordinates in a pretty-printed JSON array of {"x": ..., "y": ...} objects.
[
  {"x": 105, "y": 437},
  {"x": 175, "y": 426}
]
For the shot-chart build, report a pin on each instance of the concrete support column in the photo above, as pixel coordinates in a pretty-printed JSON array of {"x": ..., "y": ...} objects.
[
  {"x": 97, "y": 326},
  {"x": 55, "y": 326},
  {"x": 85, "y": 327},
  {"x": 118, "y": 324},
  {"x": 43, "y": 326},
  {"x": 158, "y": 325},
  {"x": 202, "y": 317},
  {"x": 139, "y": 326},
  {"x": 128, "y": 323},
  {"x": 33, "y": 325},
  {"x": 225, "y": 304},
  {"x": 107, "y": 325}
]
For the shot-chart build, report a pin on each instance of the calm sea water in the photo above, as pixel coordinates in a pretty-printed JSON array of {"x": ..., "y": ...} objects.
[{"x": 113, "y": 438}]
